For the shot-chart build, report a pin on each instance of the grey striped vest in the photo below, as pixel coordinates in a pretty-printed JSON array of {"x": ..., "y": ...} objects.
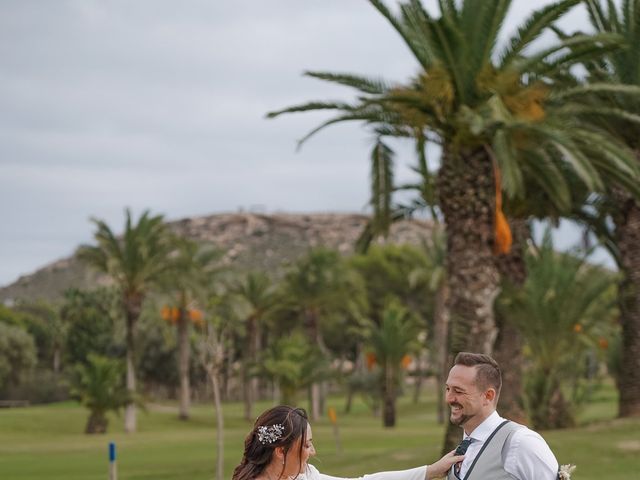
[{"x": 489, "y": 463}]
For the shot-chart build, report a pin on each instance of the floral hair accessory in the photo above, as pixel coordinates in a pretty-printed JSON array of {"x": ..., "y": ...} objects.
[
  {"x": 270, "y": 434},
  {"x": 565, "y": 472}
]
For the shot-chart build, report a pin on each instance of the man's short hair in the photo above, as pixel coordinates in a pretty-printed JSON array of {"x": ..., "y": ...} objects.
[{"x": 487, "y": 370}]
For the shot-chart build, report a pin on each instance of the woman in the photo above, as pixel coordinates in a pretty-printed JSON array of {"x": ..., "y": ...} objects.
[{"x": 280, "y": 444}]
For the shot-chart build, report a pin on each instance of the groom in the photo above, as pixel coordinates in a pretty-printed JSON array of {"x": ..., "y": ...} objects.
[{"x": 496, "y": 449}]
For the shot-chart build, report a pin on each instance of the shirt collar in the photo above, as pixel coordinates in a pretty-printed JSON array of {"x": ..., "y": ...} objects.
[{"x": 482, "y": 431}]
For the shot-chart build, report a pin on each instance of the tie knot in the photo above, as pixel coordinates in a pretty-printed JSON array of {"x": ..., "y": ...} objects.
[{"x": 462, "y": 448}]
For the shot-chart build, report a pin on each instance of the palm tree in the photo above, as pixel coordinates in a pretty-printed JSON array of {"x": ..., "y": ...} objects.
[
  {"x": 623, "y": 208},
  {"x": 495, "y": 112},
  {"x": 391, "y": 341},
  {"x": 319, "y": 283},
  {"x": 260, "y": 296},
  {"x": 97, "y": 384},
  {"x": 565, "y": 308},
  {"x": 492, "y": 111},
  {"x": 135, "y": 262},
  {"x": 194, "y": 269},
  {"x": 292, "y": 363}
]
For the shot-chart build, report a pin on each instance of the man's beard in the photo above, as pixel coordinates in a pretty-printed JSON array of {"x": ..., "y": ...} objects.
[{"x": 461, "y": 420}]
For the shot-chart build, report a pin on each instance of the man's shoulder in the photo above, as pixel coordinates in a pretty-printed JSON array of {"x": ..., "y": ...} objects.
[
  {"x": 527, "y": 454},
  {"x": 510, "y": 427},
  {"x": 522, "y": 437}
]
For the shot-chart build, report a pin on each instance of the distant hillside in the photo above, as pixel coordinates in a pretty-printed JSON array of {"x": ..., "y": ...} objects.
[{"x": 251, "y": 241}]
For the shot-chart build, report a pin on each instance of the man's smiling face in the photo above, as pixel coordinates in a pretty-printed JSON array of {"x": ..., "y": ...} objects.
[{"x": 469, "y": 405}]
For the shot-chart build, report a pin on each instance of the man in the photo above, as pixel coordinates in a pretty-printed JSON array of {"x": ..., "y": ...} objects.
[{"x": 497, "y": 448}]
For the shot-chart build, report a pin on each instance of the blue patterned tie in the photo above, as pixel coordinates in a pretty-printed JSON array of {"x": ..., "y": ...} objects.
[{"x": 461, "y": 450}]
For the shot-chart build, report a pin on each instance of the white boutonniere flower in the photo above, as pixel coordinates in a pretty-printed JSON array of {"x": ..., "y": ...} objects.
[{"x": 565, "y": 472}]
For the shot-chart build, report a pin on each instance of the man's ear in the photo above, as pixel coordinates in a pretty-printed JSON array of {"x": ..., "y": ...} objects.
[{"x": 490, "y": 395}]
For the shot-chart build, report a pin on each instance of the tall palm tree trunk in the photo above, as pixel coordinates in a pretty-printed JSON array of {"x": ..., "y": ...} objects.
[
  {"x": 57, "y": 359},
  {"x": 467, "y": 199},
  {"x": 441, "y": 346},
  {"x": 418, "y": 379},
  {"x": 184, "y": 353},
  {"x": 133, "y": 307},
  {"x": 97, "y": 422},
  {"x": 255, "y": 381},
  {"x": 627, "y": 224},
  {"x": 389, "y": 397},
  {"x": 250, "y": 385},
  {"x": 507, "y": 349},
  {"x": 315, "y": 392}
]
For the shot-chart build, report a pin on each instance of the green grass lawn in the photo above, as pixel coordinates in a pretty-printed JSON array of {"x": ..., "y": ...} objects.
[{"x": 47, "y": 443}]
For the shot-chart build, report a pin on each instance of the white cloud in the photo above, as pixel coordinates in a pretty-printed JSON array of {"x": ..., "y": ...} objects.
[{"x": 160, "y": 105}]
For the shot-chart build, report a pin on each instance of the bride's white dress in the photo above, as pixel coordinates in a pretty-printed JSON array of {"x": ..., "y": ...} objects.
[{"x": 418, "y": 473}]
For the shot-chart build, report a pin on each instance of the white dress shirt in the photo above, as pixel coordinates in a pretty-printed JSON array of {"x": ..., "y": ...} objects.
[{"x": 528, "y": 456}]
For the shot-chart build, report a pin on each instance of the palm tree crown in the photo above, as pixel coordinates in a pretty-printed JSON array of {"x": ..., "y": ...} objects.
[{"x": 470, "y": 93}]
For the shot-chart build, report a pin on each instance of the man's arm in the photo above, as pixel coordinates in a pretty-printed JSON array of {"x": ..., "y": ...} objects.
[
  {"x": 419, "y": 473},
  {"x": 529, "y": 457},
  {"x": 435, "y": 470}
]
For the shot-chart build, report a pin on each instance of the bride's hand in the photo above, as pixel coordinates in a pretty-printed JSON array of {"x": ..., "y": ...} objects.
[{"x": 441, "y": 467}]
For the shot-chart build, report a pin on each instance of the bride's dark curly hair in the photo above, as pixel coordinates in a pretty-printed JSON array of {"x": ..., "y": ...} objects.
[{"x": 257, "y": 455}]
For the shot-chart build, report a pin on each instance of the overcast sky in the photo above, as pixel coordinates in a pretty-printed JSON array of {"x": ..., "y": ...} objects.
[{"x": 160, "y": 104}]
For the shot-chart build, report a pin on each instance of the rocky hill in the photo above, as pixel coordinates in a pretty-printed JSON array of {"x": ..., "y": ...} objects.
[{"x": 250, "y": 240}]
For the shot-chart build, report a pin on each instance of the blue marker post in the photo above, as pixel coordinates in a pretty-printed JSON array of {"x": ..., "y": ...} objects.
[{"x": 113, "y": 468}]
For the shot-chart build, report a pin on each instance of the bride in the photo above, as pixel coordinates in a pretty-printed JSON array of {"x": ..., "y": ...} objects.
[{"x": 280, "y": 444}]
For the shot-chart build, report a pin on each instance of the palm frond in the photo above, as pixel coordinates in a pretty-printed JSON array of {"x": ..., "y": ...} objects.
[
  {"x": 366, "y": 85},
  {"x": 448, "y": 40},
  {"x": 616, "y": 161},
  {"x": 583, "y": 43},
  {"x": 594, "y": 110},
  {"x": 441, "y": 38},
  {"x": 531, "y": 29},
  {"x": 631, "y": 10},
  {"x": 597, "y": 16},
  {"x": 580, "y": 163},
  {"x": 428, "y": 187},
  {"x": 626, "y": 62},
  {"x": 598, "y": 223},
  {"x": 507, "y": 160},
  {"x": 381, "y": 186},
  {"x": 560, "y": 139},
  {"x": 585, "y": 89},
  {"x": 311, "y": 106},
  {"x": 448, "y": 10},
  {"x": 398, "y": 131},
  {"x": 543, "y": 170},
  {"x": 582, "y": 53},
  {"x": 419, "y": 50},
  {"x": 349, "y": 117},
  {"x": 482, "y": 21},
  {"x": 630, "y": 15},
  {"x": 614, "y": 21}
]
